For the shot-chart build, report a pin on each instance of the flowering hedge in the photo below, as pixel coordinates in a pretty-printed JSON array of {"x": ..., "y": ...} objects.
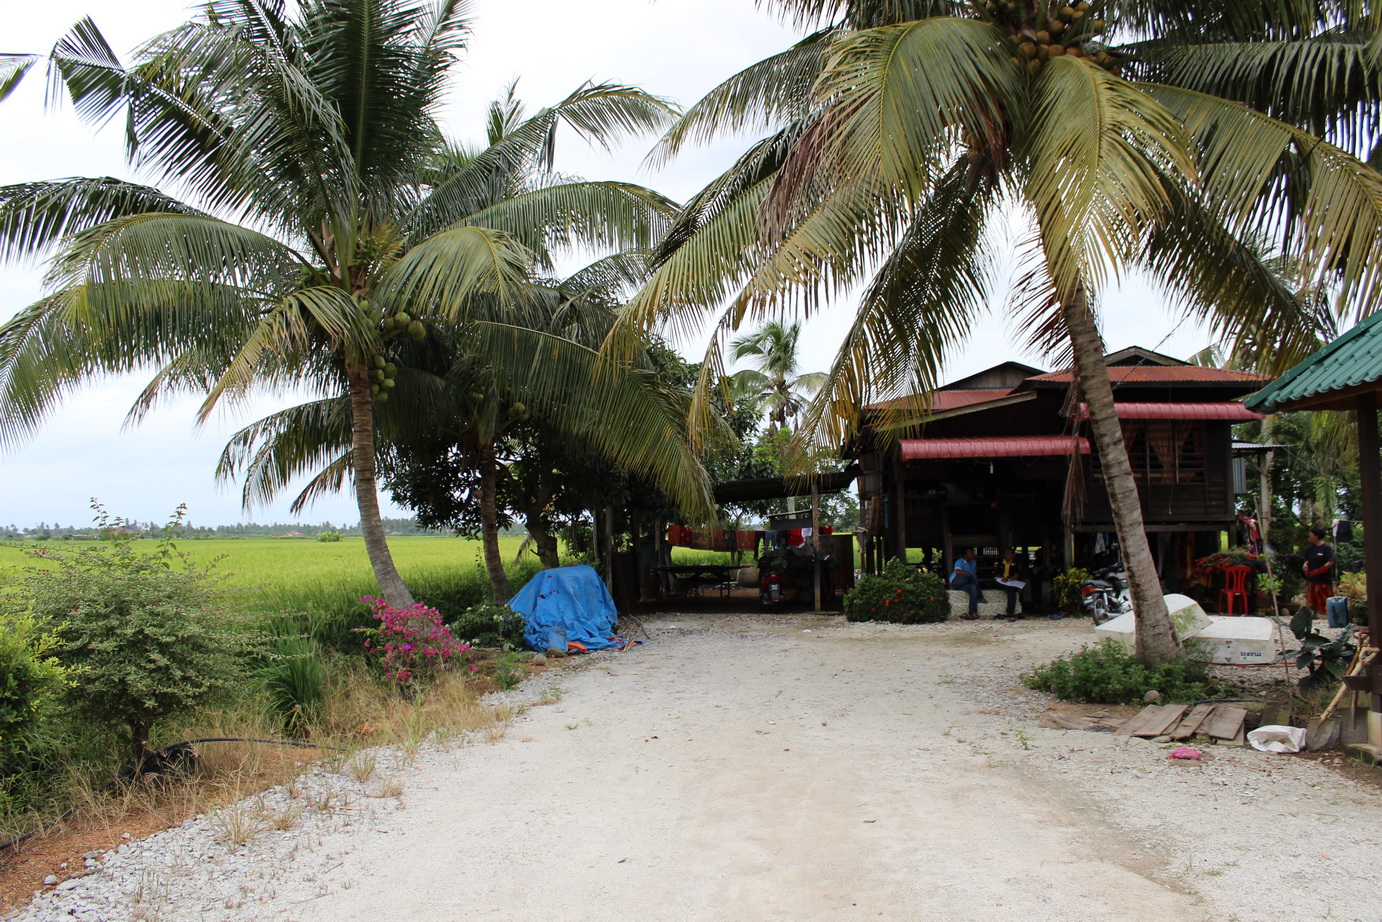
[
  {"x": 1233, "y": 557},
  {"x": 412, "y": 642},
  {"x": 901, "y": 593}
]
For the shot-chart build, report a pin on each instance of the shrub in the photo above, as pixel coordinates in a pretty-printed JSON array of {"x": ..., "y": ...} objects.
[
  {"x": 1109, "y": 674},
  {"x": 30, "y": 679},
  {"x": 1065, "y": 589},
  {"x": 142, "y": 633},
  {"x": 489, "y": 624},
  {"x": 294, "y": 680},
  {"x": 901, "y": 593},
  {"x": 329, "y": 537},
  {"x": 412, "y": 643}
]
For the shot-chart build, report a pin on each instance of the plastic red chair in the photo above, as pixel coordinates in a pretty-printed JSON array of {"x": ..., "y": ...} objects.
[{"x": 1235, "y": 587}]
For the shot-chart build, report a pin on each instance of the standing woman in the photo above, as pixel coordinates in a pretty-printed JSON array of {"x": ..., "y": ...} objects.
[{"x": 1319, "y": 572}]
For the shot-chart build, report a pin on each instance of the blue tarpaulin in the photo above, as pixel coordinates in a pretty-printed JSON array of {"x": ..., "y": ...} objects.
[{"x": 569, "y": 599}]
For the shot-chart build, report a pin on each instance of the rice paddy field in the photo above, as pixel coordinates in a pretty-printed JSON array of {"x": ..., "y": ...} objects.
[{"x": 309, "y": 575}]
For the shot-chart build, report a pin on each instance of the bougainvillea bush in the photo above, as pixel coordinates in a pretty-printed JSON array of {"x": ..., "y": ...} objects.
[
  {"x": 901, "y": 594},
  {"x": 412, "y": 643}
]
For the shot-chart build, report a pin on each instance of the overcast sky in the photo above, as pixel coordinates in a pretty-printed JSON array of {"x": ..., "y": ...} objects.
[{"x": 674, "y": 48}]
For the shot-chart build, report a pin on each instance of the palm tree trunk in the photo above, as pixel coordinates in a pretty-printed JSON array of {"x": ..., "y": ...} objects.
[
  {"x": 1156, "y": 638},
  {"x": 489, "y": 523},
  {"x": 391, "y": 585}
]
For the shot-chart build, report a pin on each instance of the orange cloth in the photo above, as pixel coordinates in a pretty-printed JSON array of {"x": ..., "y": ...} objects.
[{"x": 1317, "y": 596}]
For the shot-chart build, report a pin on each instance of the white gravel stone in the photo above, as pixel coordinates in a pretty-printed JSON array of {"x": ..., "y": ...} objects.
[{"x": 774, "y": 768}]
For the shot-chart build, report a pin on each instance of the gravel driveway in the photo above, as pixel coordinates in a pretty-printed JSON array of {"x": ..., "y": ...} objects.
[{"x": 789, "y": 768}]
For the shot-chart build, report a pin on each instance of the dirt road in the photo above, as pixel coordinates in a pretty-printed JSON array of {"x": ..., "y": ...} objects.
[{"x": 804, "y": 768}]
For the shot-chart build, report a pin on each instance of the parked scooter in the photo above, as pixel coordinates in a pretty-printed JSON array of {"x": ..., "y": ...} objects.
[
  {"x": 1105, "y": 594},
  {"x": 770, "y": 590}
]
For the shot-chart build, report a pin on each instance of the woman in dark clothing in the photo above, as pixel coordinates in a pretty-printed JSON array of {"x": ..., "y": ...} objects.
[{"x": 1319, "y": 572}]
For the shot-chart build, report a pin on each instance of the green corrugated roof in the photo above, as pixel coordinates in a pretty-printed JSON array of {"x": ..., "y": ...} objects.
[{"x": 1353, "y": 359}]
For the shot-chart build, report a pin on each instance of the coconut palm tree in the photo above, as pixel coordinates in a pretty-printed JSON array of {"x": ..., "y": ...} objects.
[
  {"x": 901, "y": 130},
  {"x": 319, "y": 228},
  {"x": 775, "y": 383},
  {"x": 463, "y": 389}
]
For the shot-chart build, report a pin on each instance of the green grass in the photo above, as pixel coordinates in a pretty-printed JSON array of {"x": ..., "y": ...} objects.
[{"x": 328, "y": 578}]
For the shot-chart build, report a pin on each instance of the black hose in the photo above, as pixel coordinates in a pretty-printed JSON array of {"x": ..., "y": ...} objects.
[
  {"x": 133, "y": 770},
  {"x": 1229, "y": 701}
]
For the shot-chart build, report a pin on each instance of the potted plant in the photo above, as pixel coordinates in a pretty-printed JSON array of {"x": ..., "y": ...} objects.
[{"x": 1355, "y": 586}]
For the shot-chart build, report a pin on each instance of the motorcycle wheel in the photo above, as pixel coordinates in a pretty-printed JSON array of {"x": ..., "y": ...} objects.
[{"x": 1100, "y": 610}]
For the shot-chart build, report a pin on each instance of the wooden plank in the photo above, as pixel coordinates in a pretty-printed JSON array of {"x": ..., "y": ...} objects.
[
  {"x": 1190, "y": 724},
  {"x": 1169, "y": 717},
  {"x": 1226, "y": 721},
  {"x": 1153, "y": 720},
  {"x": 1148, "y": 715},
  {"x": 1073, "y": 723}
]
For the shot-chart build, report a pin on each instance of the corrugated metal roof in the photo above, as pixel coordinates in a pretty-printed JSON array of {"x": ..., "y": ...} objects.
[
  {"x": 1017, "y": 446},
  {"x": 1162, "y": 374},
  {"x": 1352, "y": 360},
  {"x": 1229, "y": 410}
]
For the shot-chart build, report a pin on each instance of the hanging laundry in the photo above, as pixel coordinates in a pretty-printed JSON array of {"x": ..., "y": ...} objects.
[
  {"x": 746, "y": 540},
  {"x": 794, "y": 537}
]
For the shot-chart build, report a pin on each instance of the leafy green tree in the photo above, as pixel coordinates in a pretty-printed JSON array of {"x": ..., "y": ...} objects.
[
  {"x": 1123, "y": 132},
  {"x": 31, "y": 680},
  {"x": 315, "y": 127},
  {"x": 142, "y": 635}
]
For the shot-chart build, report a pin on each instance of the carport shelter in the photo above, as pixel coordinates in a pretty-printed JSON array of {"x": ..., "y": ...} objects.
[{"x": 1347, "y": 375}]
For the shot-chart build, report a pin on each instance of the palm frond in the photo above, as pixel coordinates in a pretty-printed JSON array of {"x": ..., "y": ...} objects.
[
  {"x": 443, "y": 275},
  {"x": 1328, "y": 84},
  {"x": 924, "y": 300},
  {"x": 625, "y": 413},
  {"x": 35, "y": 216},
  {"x": 897, "y": 99},
  {"x": 132, "y": 262},
  {"x": 580, "y": 216},
  {"x": 1102, "y": 155},
  {"x": 1230, "y": 287},
  {"x": 600, "y": 113},
  {"x": 1268, "y": 177},
  {"x": 272, "y": 452},
  {"x": 13, "y": 68},
  {"x": 762, "y": 96}
]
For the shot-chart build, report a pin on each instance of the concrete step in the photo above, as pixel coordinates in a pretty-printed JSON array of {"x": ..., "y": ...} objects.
[{"x": 996, "y": 605}]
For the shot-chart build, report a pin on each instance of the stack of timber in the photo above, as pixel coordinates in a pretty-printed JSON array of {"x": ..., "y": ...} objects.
[{"x": 1174, "y": 721}]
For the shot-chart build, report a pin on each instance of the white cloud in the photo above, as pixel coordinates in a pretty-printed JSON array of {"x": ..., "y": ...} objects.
[{"x": 674, "y": 48}]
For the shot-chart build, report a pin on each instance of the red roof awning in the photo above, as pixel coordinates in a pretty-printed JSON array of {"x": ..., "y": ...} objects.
[
  {"x": 1016, "y": 446},
  {"x": 1229, "y": 410}
]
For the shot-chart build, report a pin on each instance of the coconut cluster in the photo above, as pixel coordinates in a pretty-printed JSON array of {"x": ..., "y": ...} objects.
[
  {"x": 381, "y": 378},
  {"x": 1041, "y": 32}
]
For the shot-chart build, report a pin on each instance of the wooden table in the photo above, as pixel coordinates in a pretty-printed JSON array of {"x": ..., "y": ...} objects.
[{"x": 694, "y": 577}]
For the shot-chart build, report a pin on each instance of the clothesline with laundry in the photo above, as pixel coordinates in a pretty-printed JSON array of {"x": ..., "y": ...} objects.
[{"x": 728, "y": 539}]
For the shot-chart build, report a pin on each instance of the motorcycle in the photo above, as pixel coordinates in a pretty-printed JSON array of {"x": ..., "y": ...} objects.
[
  {"x": 1105, "y": 594},
  {"x": 770, "y": 590}
]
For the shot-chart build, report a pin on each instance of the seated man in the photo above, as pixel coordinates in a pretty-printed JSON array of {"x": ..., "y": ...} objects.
[
  {"x": 1008, "y": 575},
  {"x": 965, "y": 578}
]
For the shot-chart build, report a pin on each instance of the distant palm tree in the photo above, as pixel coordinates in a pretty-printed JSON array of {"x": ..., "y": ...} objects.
[
  {"x": 775, "y": 382},
  {"x": 902, "y": 128},
  {"x": 316, "y": 129}
]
